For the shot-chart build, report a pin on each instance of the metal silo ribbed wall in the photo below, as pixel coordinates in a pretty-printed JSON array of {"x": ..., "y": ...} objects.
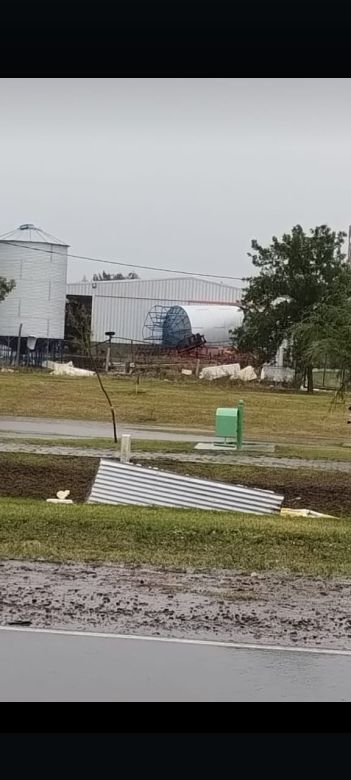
[{"x": 38, "y": 300}]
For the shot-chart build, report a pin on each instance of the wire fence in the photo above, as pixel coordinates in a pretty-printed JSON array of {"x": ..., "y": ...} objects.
[
  {"x": 142, "y": 359},
  {"x": 325, "y": 379}
]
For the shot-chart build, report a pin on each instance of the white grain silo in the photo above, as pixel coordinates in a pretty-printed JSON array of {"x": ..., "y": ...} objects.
[{"x": 37, "y": 262}]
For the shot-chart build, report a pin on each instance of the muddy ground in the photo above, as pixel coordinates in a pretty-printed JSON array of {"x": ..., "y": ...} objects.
[
  {"x": 33, "y": 476},
  {"x": 262, "y": 608},
  {"x": 40, "y": 476}
]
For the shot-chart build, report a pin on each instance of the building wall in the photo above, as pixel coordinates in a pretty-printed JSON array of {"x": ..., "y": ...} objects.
[{"x": 122, "y": 306}]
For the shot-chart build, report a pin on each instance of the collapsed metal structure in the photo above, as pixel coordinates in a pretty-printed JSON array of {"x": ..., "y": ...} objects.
[
  {"x": 192, "y": 324},
  {"x": 120, "y": 483}
]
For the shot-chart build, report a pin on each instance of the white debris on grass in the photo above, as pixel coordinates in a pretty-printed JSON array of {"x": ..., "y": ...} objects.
[
  {"x": 61, "y": 498},
  {"x": 277, "y": 374},
  {"x": 218, "y": 372},
  {"x": 247, "y": 374},
  {"x": 304, "y": 513},
  {"x": 231, "y": 370},
  {"x": 66, "y": 369}
]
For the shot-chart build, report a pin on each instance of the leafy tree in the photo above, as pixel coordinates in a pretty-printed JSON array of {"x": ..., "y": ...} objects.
[
  {"x": 325, "y": 338},
  {"x": 6, "y": 287},
  {"x": 296, "y": 274},
  {"x": 78, "y": 326},
  {"x": 106, "y": 277}
]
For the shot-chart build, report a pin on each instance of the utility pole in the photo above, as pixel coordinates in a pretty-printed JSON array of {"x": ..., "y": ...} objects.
[{"x": 349, "y": 247}]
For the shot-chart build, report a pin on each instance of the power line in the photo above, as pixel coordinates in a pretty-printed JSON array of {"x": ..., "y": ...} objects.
[{"x": 130, "y": 265}]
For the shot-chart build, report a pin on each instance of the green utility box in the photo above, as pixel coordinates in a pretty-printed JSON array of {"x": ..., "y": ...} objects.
[{"x": 230, "y": 424}]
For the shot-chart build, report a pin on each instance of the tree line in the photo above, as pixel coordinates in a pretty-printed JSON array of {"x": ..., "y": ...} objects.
[{"x": 106, "y": 277}]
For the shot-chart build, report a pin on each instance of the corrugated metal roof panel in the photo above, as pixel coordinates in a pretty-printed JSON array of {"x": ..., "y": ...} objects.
[{"x": 119, "y": 483}]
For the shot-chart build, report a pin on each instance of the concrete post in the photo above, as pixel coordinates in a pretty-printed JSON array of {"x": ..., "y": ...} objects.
[{"x": 126, "y": 447}]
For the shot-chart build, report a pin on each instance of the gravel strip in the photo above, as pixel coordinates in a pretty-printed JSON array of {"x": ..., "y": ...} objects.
[{"x": 188, "y": 457}]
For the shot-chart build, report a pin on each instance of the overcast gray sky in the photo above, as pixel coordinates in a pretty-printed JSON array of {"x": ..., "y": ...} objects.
[{"x": 179, "y": 173}]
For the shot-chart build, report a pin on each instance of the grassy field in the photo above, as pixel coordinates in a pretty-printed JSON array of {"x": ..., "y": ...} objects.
[
  {"x": 174, "y": 538},
  {"x": 278, "y": 416},
  {"x": 41, "y": 476}
]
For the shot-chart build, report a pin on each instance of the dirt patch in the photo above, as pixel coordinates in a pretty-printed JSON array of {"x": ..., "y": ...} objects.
[
  {"x": 40, "y": 476},
  {"x": 35, "y": 476},
  {"x": 222, "y": 605}
]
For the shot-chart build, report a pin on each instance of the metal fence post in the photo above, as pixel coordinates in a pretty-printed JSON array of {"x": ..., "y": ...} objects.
[{"x": 240, "y": 429}]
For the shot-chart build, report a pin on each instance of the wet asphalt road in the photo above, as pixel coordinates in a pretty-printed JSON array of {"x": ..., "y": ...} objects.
[
  {"x": 33, "y": 426},
  {"x": 38, "y": 666}
]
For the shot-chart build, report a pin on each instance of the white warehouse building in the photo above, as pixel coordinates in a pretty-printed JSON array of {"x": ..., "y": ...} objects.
[{"x": 135, "y": 308}]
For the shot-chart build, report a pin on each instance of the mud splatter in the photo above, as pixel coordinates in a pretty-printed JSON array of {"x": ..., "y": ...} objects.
[{"x": 223, "y": 605}]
